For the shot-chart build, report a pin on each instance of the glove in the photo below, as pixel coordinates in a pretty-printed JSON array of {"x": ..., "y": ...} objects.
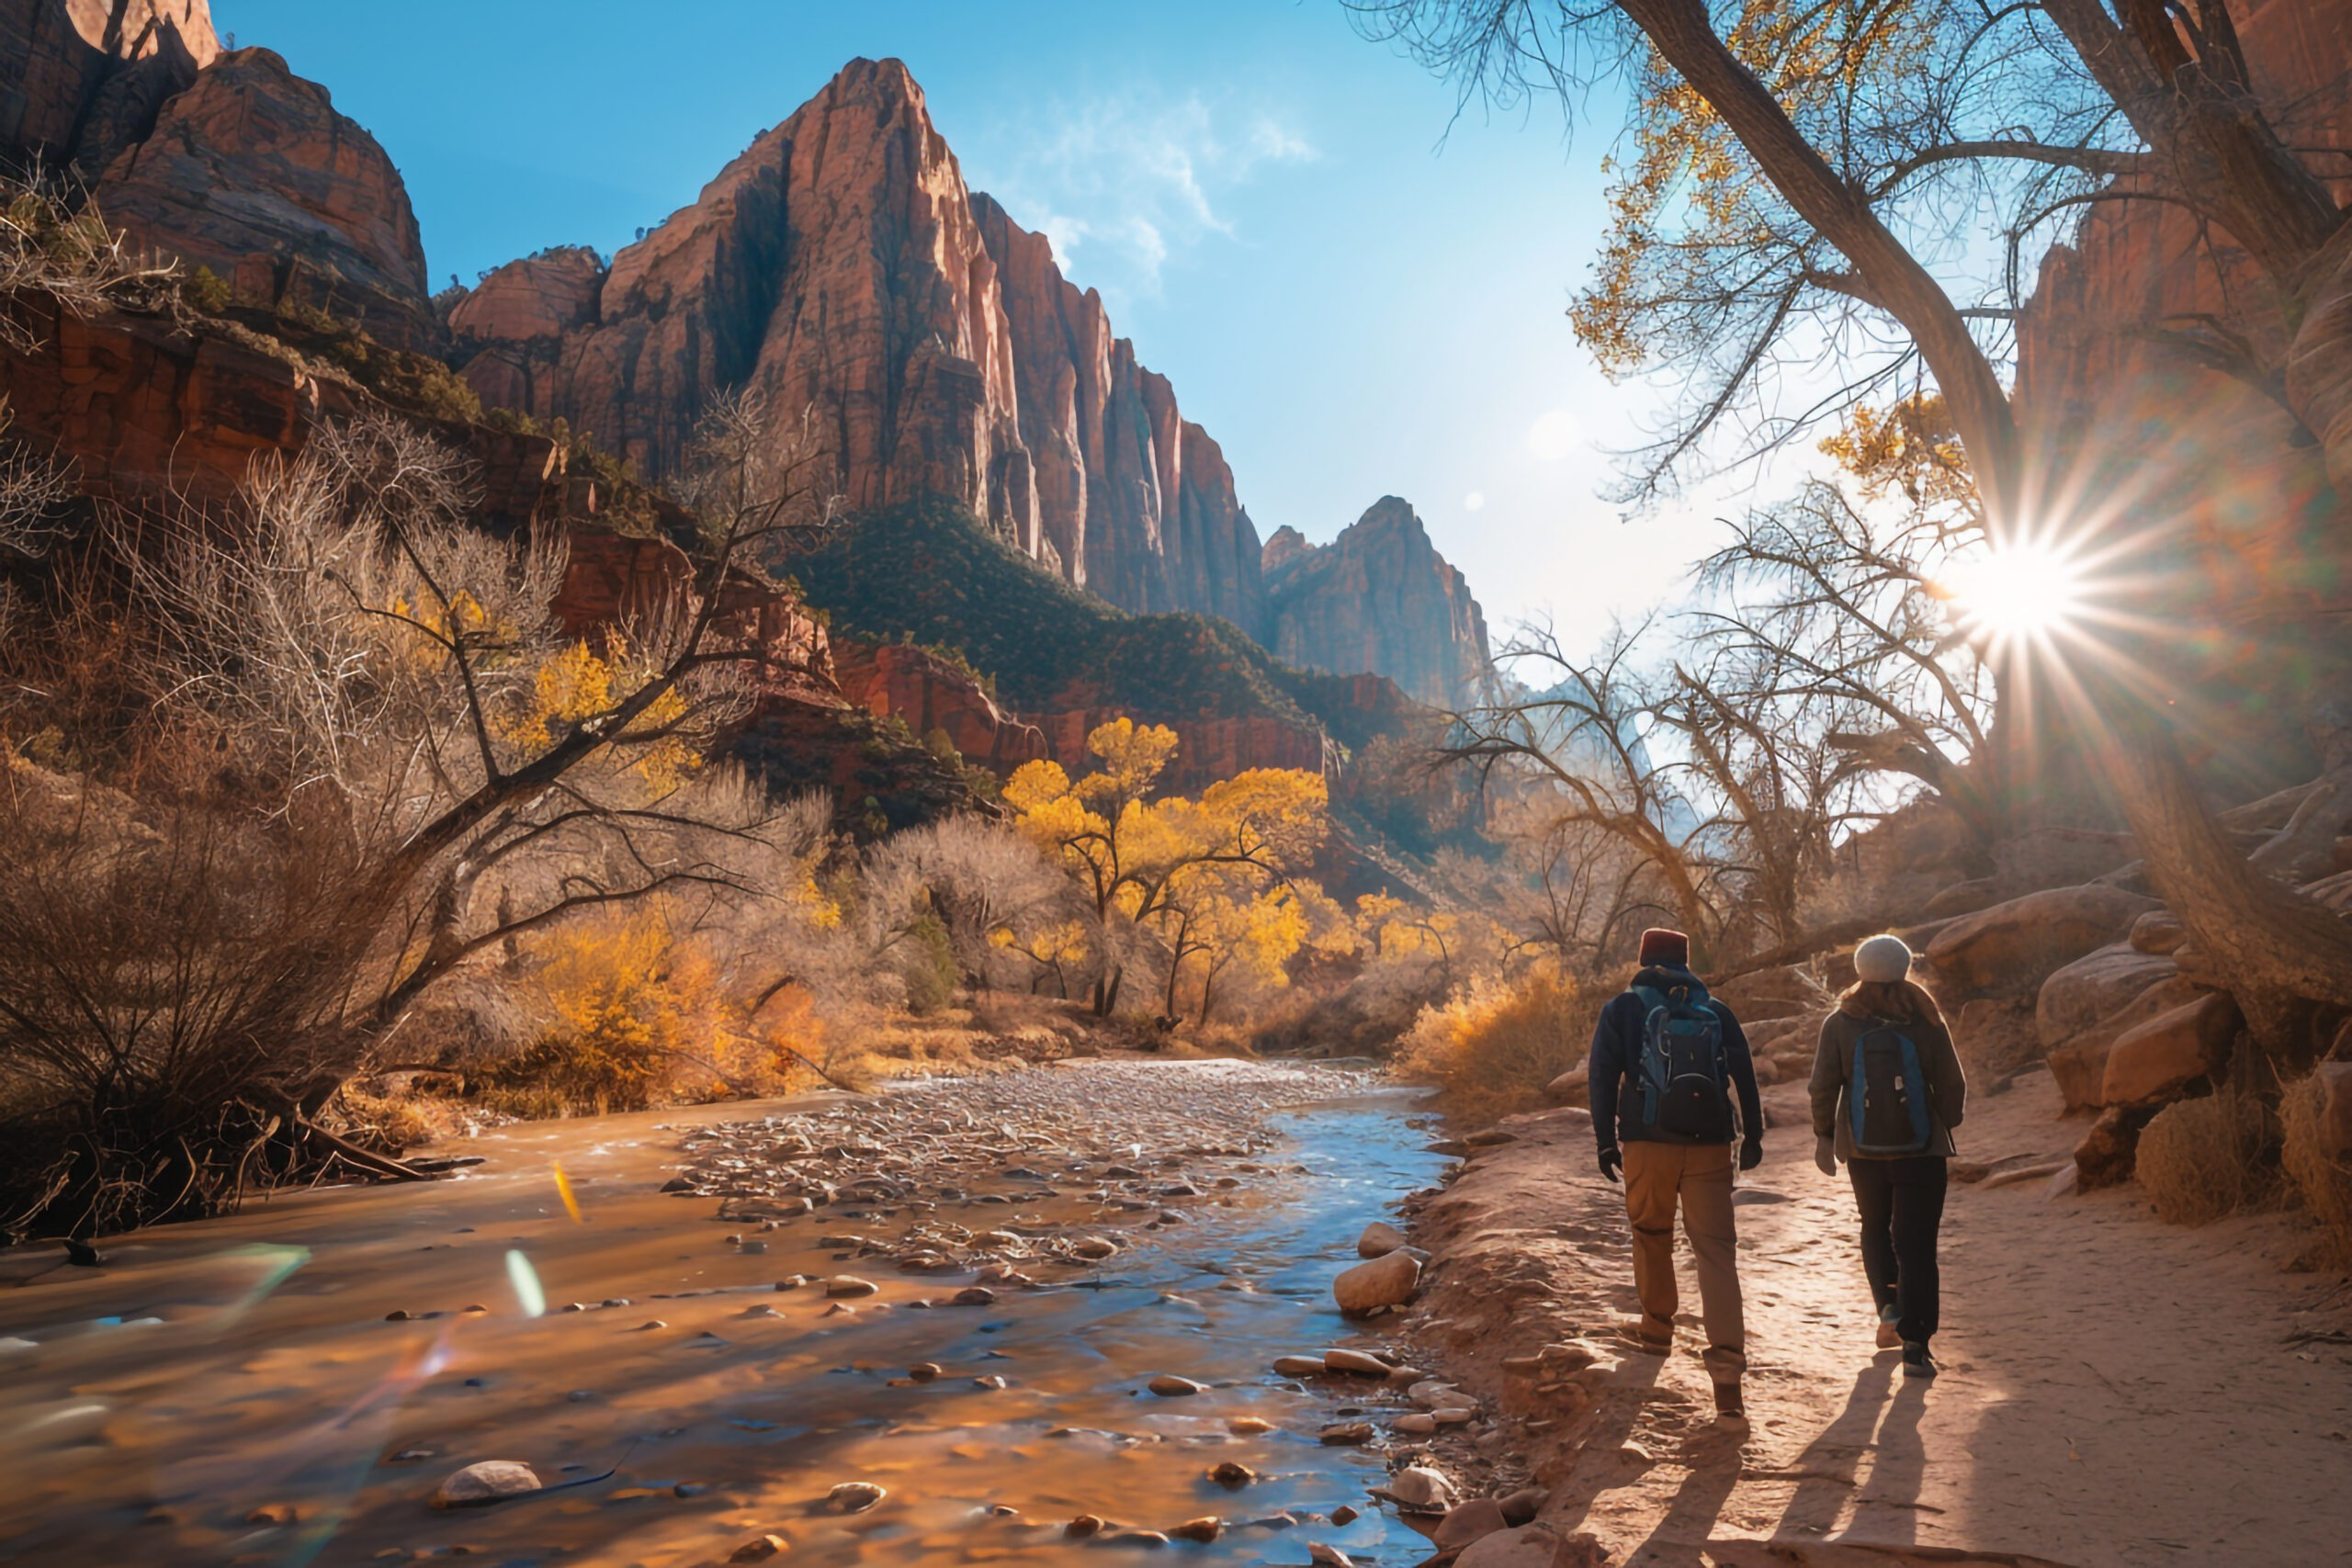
[
  {"x": 1751, "y": 1154},
  {"x": 1611, "y": 1162},
  {"x": 1825, "y": 1154}
]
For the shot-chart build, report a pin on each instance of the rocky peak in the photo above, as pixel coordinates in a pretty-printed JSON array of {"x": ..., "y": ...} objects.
[
  {"x": 1378, "y": 598},
  {"x": 81, "y": 81},
  {"x": 1287, "y": 545},
  {"x": 251, "y": 172},
  {"x": 546, "y": 295}
]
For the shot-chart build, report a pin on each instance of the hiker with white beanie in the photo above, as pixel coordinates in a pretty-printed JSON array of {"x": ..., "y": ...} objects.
[{"x": 1887, "y": 1091}]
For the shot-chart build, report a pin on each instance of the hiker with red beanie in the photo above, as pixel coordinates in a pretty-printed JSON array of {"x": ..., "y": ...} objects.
[{"x": 1667, "y": 1058}]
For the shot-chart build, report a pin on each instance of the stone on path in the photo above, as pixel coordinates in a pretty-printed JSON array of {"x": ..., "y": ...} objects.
[
  {"x": 1379, "y": 1239},
  {"x": 1478, "y": 1518},
  {"x": 1383, "y": 1282},
  {"x": 491, "y": 1481}
]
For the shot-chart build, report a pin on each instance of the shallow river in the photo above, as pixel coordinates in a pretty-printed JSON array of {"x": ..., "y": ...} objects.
[{"x": 231, "y": 1392}]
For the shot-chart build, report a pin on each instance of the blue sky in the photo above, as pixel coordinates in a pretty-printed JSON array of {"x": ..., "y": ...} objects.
[{"x": 1353, "y": 299}]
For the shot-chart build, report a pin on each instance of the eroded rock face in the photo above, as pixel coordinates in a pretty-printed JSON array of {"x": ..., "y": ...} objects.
[
  {"x": 839, "y": 265},
  {"x": 251, "y": 173},
  {"x": 80, "y": 80},
  {"x": 1378, "y": 598}
]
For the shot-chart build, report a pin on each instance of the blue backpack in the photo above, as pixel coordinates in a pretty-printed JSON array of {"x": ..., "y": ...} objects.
[
  {"x": 1886, "y": 1097},
  {"x": 1686, "y": 1094}
]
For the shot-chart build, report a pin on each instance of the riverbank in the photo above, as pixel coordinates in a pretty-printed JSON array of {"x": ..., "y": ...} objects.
[
  {"x": 2116, "y": 1393},
  {"x": 991, "y": 1278}
]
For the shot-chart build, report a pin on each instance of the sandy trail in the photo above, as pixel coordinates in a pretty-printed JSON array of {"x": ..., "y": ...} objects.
[{"x": 2116, "y": 1391}]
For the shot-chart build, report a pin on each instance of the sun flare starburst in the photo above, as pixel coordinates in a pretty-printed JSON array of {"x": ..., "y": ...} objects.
[{"x": 2023, "y": 591}]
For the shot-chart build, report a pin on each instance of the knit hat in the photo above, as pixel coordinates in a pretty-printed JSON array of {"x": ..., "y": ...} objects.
[
  {"x": 1883, "y": 959},
  {"x": 1669, "y": 949}
]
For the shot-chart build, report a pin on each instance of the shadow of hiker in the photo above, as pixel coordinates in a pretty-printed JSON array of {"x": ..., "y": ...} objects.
[
  {"x": 1600, "y": 1462},
  {"x": 1825, "y": 1471},
  {"x": 1898, "y": 1467}
]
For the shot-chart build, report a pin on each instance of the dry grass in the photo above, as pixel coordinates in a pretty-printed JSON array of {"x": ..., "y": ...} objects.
[
  {"x": 1491, "y": 1051},
  {"x": 2319, "y": 1174},
  {"x": 2201, "y": 1160}
]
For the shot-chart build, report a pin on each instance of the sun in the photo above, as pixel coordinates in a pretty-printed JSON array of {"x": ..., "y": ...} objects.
[{"x": 2024, "y": 590}]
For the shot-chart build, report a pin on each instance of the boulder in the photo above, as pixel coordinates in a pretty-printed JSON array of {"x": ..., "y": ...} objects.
[
  {"x": 491, "y": 1481},
  {"x": 1996, "y": 1037},
  {"x": 1383, "y": 1282},
  {"x": 2159, "y": 931},
  {"x": 2333, "y": 1080},
  {"x": 2106, "y": 1155},
  {"x": 1416, "y": 1489},
  {"x": 1530, "y": 1546},
  {"x": 2094, "y": 988},
  {"x": 2155, "y": 1060},
  {"x": 1478, "y": 1518},
  {"x": 1571, "y": 1088},
  {"x": 2014, "y": 946},
  {"x": 1379, "y": 1239},
  {"x": 1962, "y": 898}
]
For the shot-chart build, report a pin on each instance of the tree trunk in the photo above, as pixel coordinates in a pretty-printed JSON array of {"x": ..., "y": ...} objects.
[{"x": 1684, "y": 34}]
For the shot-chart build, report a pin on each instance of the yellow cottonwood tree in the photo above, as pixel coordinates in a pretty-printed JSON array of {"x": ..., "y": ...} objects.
[{"x": 1142, "y": 861}]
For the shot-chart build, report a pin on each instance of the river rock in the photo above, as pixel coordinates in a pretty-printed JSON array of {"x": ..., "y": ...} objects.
[
  {"x": 1135, "y": 1538},
  {"x": 923, "y": 1372},
  {"x": 1348, "y": 1434},
  {"x": 1345, "y": 1514},
  {"x": 491, "y": 1481},
  {"x": 1523, "y": 1504},
  {"x": 1323, "y": 1555},
  {"x": 758, "y": 1549},
  {"x": 1418, "y": 1489},
  {"x": 1385, "y": 1281},
  {"x": 1299, "y": 1366},
  {"x": 973, "y": 1296},
  {"x": 1248, "y": 1426},
  {"x": 1345, "y": 1360},
  {"x": 1415, "y": 1424},
  {"x": 1083, "y": 1526},
  {"x": 1233, "y": 1476},
  {"x": 1094, "y": 1249},
  {"x": 1478, "y": 1517},
  {"x": 1168, "y": 1385},
  {"x": 1205, "y": 1529},
  {"x": 849, "y": 1285},
  {"x": 1379, "y": 1239},
  {"x": 855, "y": 1496}
]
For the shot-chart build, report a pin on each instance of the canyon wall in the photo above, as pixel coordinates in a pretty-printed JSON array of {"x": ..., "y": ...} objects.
[{"x": 1377, "y": 598}]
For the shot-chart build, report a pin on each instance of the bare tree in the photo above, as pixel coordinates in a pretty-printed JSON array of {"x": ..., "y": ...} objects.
[
  {"x": 322, "y": 735},
  {"x": 2155, "y": 99}
]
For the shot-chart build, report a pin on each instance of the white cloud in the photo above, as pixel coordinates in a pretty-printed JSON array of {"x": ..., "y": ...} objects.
[
  {"x": 1121, "y": 183},
  {"x": 1473, "y": 501},
  {"x": 1554, "y": 435}
]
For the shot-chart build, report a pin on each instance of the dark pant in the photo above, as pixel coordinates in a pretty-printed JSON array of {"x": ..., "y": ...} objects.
[{"x": 1902, "y": 1202}]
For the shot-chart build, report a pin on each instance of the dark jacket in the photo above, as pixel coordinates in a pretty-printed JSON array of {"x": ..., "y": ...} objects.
[
  {"x": 1617, "y": 1057},
  {"x": 1833, "y": 1066}
]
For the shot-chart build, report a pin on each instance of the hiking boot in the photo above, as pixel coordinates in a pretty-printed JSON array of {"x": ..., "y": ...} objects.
[
  {"x": 1635, "y": 1337},
  {"x": 1728, "y": 1405},
  {"x": 1889, "y": 1336},
  {"x": 1917, "y": 1362}
]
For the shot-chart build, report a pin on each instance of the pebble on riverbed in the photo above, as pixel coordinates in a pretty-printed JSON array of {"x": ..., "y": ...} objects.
[
  {"x": 491, "y": 1481},
  {"x": 855, "y": 1496},
  {"x": 1168, "y": 1385},
  {"x": 758, "y": 1549}
]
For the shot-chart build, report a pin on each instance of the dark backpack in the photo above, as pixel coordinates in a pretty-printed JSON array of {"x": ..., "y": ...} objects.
[
  {"x": 1887, "y": 1096},
  {"x": 1686, "y": 1095}
]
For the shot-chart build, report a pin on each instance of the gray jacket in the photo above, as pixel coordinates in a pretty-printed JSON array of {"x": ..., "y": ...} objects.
[{"x": 1833, "y": 1065}]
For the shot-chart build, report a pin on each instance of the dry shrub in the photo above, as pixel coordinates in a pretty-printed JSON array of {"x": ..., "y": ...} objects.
[
  {"x": 2320, "y": 1175},
  {"x": 2201, "y": 1160},
  {"x": 638, "y": 1013},
  {"x": 1491, "y": 1050},
  {"x": 386, "y": 1124}
]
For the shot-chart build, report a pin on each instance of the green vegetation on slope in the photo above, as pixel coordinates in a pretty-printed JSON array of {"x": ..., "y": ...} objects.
[{"x": 928, "y": 571}]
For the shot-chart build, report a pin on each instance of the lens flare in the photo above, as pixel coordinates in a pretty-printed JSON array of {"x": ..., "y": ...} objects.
[
  {"x": 563, "y": 1190},
  {"x": 2019, "y": 591},
  {"x": 525, "y": 1280}
]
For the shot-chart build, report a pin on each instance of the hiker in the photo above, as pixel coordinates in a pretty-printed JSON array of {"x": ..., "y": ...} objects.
[
  {"x": 1887, "y": 1091},
  {"x": 1678, "y": 1055}
]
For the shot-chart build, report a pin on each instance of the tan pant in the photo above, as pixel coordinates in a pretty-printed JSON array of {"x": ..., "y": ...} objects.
[{"x": 1700, "y": 1176}]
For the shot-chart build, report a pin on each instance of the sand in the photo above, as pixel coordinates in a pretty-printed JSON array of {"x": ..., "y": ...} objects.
[{"x": 2116, "y": 1390}]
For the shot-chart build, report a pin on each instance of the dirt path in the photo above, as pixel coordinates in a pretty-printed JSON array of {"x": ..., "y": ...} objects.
[{"x": 2116, "y": 1391}]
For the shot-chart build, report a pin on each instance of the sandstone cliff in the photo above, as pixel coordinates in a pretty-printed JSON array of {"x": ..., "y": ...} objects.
[
  {"x": 80, "y": 80},
  {"x": 251, "y": 172},
  {"x": 839, "y": 266},
  {"x": 1378, "y": 598}
]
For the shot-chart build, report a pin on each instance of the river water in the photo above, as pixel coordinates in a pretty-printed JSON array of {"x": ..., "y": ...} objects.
[{"x": 231, "y": 1392}]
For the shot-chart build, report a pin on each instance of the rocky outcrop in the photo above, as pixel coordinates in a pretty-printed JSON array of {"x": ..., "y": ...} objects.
[
  {"x": 81, "y": 81},
  {"x": 1378, "y": 598},
  {"x": 250, "y": 172},
  {"x": 928, "y": 694},
  {"x": 840, "y": 267}
]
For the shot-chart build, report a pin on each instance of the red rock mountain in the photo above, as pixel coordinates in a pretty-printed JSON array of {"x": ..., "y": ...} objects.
[
  {"x": 1380, "y": 598},
  {"x": 81, "y": 80}
]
